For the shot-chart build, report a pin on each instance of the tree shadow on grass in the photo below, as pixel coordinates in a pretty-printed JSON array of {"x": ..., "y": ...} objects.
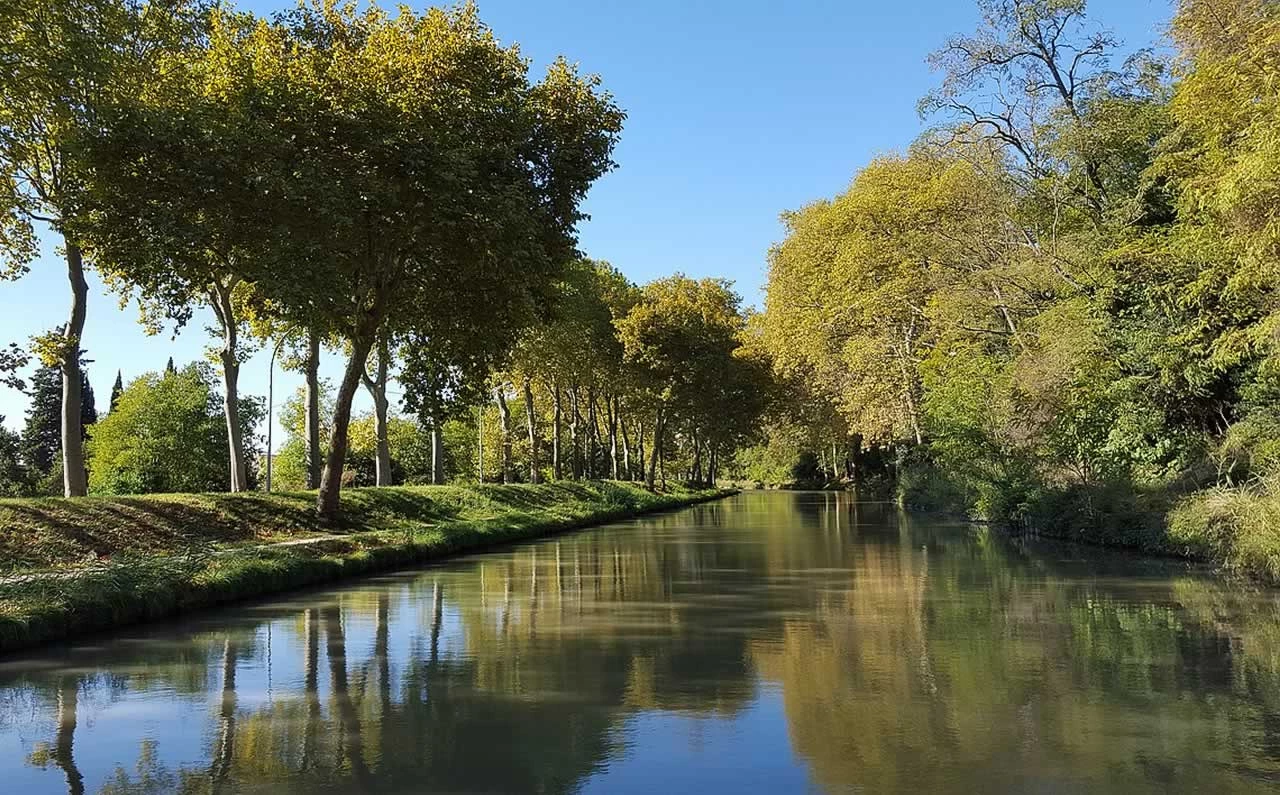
[{"x": 57, "y": 532}]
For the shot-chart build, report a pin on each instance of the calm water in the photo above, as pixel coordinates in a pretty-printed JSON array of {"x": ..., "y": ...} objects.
[{"x": 771, "y": 642}]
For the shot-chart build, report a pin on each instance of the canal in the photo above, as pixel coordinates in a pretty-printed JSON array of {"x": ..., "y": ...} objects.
[{"x": 769, "y": 642}]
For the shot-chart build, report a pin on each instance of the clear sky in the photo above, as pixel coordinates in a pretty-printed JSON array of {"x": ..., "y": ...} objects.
[{"x": 737, "y": 110}]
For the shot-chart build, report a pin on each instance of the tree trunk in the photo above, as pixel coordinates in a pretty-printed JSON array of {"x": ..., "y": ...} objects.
[
  {"x": 531, "y": 420},
  {"x": 230, "y": 358},
  {"x": 505, "y": 414},
  {"x": 640, "y": 449},
  {"x": 575, "y": 437},
  {"x": 593, "y": 437},
  {"x": 75, "y": 480},
  {"x": 480, "y": 445},
  {"x": 437, "y": 454},
  {"x": 331, "y": 478},
  {"x": 611, "y": 403},
  {"x": 377, "y": 386},
  {"x": 626, "y": 446},
  {"x": 556, "y": 410},
  {"x": 697, "y": 459},
  {"x": 312, "y": 422},
  {"x": 656, "y": 453}
]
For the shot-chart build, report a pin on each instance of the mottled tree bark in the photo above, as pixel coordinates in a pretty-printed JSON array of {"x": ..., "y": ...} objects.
[
  {"x": 556, "y": 418},
  {"x": 75, "y": 480},
  {"x": 220, "y": 295},
  {"x": 437, "y": 453},
  {"x": 505, "y": 414},
  {"x": 312, "y": 421},
  {"x": 531, "y": 420},
  {"x": 377, "y": 387},
  {"x": 331, "y": 479},
  {"x": 611, "y": 403},
  {"x": 656, "y": 453}
]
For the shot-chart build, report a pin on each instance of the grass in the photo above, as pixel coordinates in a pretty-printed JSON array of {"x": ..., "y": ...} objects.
[
  {"x": 77, "y": 566},
  {"x": 1237, "y": 528}
]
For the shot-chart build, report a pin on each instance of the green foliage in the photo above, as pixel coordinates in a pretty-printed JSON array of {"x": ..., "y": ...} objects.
[
  {"x": 167, "y": 434},
  {"x": 15, "y": 480}
]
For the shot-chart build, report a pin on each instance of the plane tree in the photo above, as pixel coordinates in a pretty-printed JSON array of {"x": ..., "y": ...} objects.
[{"x": 432, "y": 176}]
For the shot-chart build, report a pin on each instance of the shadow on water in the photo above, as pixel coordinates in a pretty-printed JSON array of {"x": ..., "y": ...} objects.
[{"x": 780, "y": 641}]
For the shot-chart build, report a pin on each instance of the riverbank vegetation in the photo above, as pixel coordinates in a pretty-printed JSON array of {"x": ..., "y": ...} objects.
[
  {"x": 74, "y": 566},
  {"x": 1058, "y": 308}
]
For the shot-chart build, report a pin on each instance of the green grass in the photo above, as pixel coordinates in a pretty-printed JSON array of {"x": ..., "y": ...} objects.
[
  {"x": 76, "y": 566},
  {"x": 1237, "y": 528}
]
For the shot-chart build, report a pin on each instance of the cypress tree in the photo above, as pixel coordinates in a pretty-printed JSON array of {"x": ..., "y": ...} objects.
[
  {"x": 88, "y": 408},
  {"x": 116, "y": 389},
  {"x": 42, "y": 436}
]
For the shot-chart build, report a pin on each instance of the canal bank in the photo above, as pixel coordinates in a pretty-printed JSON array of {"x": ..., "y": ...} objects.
[{"x": 73, "y": 567}]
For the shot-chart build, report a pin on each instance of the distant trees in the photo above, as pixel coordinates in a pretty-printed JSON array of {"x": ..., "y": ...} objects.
[
  {"x": 680, "y": 341},
  {"x": 14, "y": 478}
]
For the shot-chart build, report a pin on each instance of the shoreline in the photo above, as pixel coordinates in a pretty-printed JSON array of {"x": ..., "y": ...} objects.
[{"x": 43, "y": 607}]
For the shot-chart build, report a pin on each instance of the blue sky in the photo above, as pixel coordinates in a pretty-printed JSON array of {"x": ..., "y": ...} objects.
[{"x": 736, "y": 112}]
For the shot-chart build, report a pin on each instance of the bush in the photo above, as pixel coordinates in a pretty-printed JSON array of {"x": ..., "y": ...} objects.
[{"x": 166, "y": 434}]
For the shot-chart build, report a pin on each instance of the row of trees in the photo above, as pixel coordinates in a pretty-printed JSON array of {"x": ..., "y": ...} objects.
[
  {"x": 616, "y": 381},
  {"x": 334, "y": 175},
  {"x": 1071, "y": 283}
]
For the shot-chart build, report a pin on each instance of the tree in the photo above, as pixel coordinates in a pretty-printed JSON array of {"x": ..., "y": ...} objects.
[
  {"x": 62, "y": 62},
  {"x": 680, "y": 339},
  {"x": 166, "y": 435},
  {"x": 293, "y": 462},
  {"x": 376, "y": 383},
  {"x": 116, "y": 389},
  {"x": 179, "y": 203},
  {"x": 575, "y": 351},
  {"x": 444, "y": 377},
  {"x": 1029, "y": 59}
]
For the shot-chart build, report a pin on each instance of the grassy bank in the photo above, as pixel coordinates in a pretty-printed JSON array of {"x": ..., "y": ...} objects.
[{"x": 77, "y": 566}]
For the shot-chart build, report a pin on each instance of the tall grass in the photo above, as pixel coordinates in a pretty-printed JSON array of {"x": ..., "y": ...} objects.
[{"x": 1239, "y": 528}]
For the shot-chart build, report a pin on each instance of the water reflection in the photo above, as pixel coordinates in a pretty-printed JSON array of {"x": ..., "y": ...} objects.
[{"x": 771, "y": 641}]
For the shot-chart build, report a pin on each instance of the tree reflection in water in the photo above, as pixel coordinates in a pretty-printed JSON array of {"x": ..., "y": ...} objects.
[{"x": 906, "y": 654}]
